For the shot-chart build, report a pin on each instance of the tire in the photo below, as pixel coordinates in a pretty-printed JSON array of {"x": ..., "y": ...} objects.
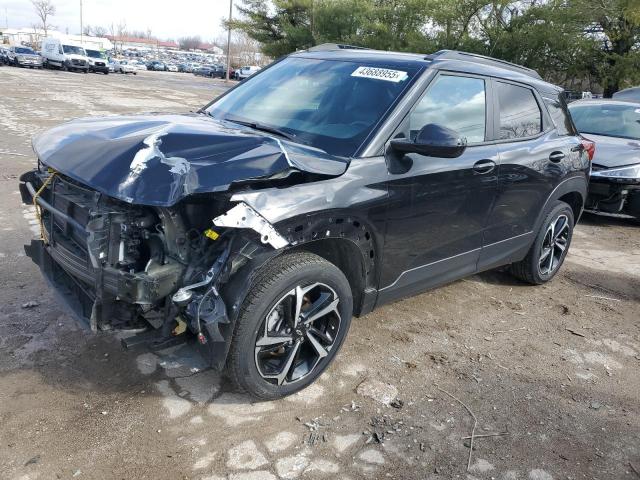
[
  {"x": 273, "y": 293},
  {"x": 554, "y": 240}
]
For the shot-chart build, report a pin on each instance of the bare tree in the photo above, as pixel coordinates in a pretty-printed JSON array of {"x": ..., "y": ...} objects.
[
  {"x": 44, "y": 10},
  {"x": 99, "y": 31},
  {"x": 87, "y": 30},
  {"x": 189, "y": 43},
  {"x": 121, "y": 28}
]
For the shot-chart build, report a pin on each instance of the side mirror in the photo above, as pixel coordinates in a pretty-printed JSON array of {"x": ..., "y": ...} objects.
[{"x": 433, "y": 140}]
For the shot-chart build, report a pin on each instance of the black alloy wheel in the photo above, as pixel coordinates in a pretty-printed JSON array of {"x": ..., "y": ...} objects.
[
  {"x": 291, "y": 325},
  {"x": 298, "y": 332},
  {"x": 550, "y": 247}
]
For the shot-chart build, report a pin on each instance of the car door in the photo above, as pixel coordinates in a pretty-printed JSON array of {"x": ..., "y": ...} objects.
[
  {"x": 438, "y": 207},
  {"x": 534, "y": 155}
]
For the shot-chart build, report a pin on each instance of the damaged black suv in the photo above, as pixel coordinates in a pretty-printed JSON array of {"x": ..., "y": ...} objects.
[{"x": 331, "y": 182}]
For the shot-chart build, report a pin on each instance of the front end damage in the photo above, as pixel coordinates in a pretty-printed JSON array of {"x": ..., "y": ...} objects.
[
  {"x": 138, "y": 230},
  {"x": 615, "y": 190},
  {"x": 160, "y": 272}
]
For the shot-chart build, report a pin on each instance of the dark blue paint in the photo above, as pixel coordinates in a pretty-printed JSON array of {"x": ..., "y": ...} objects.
[{"x": 100, "y": 153}]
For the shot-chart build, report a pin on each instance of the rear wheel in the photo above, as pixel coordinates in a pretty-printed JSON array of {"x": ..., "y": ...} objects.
[
  {"x": 550, "y": 247},
  {"x": 291, "y": 325}
]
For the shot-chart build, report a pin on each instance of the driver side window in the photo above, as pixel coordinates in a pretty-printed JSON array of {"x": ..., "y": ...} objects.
[{"x": 458, "y": 103}]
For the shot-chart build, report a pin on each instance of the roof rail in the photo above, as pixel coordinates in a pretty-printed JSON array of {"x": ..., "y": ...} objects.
[
  {"x": 475, "y": 58},
  {"x": 324, "y": 47}
]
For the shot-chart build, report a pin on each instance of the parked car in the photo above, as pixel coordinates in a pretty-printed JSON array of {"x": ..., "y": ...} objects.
[
  {"x": 614, "y": 125},
  {"x": 157, "y": 66},
  {"x": 185, "y": 68},
  {"x": 171, "y": 67},
  {"x": 63, "y": 54},
  {"x": 98, "y": 61},
  {"x": 127, "y": 66},
  {"x": 138, "y": 65},
  {"x": 4, "y": 55},
  {"x": 122, "y": 66},
  {"x": 205, "y": 71},
  {"x": 632, "y": 94},
  {"x": 20, "y": 56},
  {"x": 260, "y": 224},
  {"x": 245, "y": 72},
  {"x": 220, "y": 71}
]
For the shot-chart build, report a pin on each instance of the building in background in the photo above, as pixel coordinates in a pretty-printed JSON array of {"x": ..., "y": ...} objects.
[{"x": 33, "y": 38}]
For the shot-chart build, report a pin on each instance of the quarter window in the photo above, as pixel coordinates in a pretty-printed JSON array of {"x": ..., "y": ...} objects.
[
  {"x": 519, "y": 112},
  {"x": 560, "y": 116},
  {"x": 458, "y": 103}
]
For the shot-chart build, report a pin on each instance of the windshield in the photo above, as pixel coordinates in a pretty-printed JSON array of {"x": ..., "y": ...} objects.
[
  {"x": 328, "y": 104},
  {"x": 611, "y": 120},
  {"x": 25, "y": 50},
  {"x": 72, "y": 49},
  {"x": 95, "y": 54}
]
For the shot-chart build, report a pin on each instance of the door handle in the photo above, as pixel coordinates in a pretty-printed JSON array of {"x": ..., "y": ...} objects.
[
  {"x": 484, "y": 166},
  {"x": 556, "y": 157}
]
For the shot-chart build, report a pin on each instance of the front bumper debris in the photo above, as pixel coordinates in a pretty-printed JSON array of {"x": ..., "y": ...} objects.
[
  {"x": 613, "y": 197},
  {"x": 95, "y": 291}
]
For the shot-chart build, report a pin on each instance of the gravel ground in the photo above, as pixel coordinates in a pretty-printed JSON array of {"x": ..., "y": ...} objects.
[{"x": 553, "y": 370}]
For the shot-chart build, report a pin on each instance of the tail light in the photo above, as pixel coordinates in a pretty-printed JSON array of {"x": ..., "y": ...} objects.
[{"x": 588, "y": 146}]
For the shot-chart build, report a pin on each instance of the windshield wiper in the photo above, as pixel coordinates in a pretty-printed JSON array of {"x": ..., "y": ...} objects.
[{"x": 263, "y": 128}]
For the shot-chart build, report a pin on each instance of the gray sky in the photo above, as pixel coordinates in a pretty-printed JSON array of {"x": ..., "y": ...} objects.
[{"x": 165, "y": 18}]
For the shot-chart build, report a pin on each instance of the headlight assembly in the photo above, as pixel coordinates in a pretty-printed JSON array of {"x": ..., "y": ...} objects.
[{"x": 631, "y": 172}]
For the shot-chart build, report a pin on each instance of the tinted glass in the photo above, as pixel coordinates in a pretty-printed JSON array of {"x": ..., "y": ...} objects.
[
  {"x": 25, "y": 50},
  {"x": 519, "y": 112},
  {"x": 560, "y": 116},
  {"x": 328, "y": 104},
  {"x": 612, "y": 120},
  {"x": 458, "y": 103}
]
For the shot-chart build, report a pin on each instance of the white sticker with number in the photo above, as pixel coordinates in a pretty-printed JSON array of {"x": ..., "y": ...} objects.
[{"x": 380, "y": 74}]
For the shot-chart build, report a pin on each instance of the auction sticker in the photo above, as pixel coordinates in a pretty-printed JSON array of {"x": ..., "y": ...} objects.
[{"x": 380, "y": 74}]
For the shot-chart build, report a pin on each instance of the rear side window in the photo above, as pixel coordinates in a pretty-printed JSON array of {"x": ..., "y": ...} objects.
[
  {"x": 458, "y": 103},
  {"x": 520, "y": 114},
  {"x": 560, "y": 116}
]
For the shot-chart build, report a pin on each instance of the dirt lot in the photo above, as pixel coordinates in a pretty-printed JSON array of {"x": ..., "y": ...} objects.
[{"x": 553, "y": 369}]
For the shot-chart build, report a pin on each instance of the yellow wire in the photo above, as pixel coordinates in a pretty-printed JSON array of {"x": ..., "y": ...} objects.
[{"x": 43, "y": 236}]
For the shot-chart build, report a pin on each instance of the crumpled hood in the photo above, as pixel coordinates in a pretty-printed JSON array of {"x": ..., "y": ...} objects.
[
  {"x": 158, "y": 159},
  {"x": 614, "y": 152}
]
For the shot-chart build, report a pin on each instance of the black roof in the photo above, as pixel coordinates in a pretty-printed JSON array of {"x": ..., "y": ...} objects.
[{"x": 443, "y": 59}]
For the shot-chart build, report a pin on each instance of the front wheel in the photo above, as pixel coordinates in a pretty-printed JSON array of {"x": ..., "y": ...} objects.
[
  {"x": 550, "y": 247},
  {"x": 290, "y": 327}
]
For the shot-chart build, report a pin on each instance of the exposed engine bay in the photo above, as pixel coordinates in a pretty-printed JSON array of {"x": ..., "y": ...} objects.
[{"x": 130, "y": 267}]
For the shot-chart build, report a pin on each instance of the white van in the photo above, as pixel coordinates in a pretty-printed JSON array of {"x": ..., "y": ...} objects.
[{"x": 64, "y": 54}]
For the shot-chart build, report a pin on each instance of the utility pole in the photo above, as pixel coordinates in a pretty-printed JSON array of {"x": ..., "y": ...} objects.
[
  {"x": 81, "y": 32},
  {"x": 229, "y": 40}
]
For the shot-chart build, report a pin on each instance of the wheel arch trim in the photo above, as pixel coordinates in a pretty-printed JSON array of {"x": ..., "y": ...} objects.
[{"x": 572, "y": 185}]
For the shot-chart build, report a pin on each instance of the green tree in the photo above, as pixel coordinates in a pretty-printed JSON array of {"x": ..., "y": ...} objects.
[
  {"x": 614, "y": 25},
  {"x": 567, "y": 41},
  {"x": 283, "y": 29}
]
